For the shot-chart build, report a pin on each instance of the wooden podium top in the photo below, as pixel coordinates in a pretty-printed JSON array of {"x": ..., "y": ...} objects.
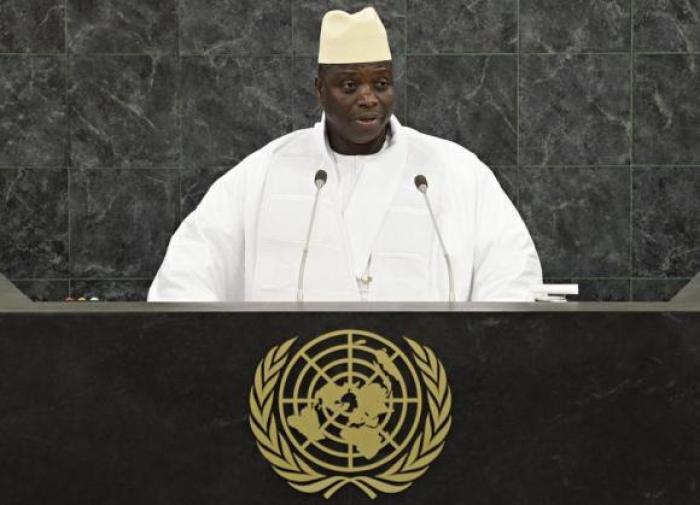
[{"x": 12, "y": 300}]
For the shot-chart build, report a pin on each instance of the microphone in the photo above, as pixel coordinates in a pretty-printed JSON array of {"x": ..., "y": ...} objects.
[
  {"x": 320, "y": 179},
  {"x": 422, "y": 185}
]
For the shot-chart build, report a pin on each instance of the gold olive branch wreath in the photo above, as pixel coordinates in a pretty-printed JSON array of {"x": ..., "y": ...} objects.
[{"x": 302, "y": 477}]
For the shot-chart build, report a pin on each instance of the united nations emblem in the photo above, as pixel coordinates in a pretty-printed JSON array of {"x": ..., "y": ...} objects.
[{"x": 350, "y": 407}]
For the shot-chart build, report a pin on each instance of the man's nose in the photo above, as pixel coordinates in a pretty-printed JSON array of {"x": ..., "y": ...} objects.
[{"x": 367, "y": 97}]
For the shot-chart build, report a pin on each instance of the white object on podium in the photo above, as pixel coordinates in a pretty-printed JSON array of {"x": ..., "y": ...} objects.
[{"x": 555, "y": 292}]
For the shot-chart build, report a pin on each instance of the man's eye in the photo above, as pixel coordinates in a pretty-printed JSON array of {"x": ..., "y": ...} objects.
[
  {"x": 383, "y": 84},
  {"x": 349, "y": 86}
]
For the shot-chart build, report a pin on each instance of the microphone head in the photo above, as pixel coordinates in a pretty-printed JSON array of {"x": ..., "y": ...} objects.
[
  {"x": 320, "y": 178},
  {"x": 421, "y": 183}
]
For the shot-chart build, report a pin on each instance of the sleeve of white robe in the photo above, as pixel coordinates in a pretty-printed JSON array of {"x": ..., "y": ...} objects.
[
  {"x": 205, "y": 258},
  {"x": 506, "y": 264}
]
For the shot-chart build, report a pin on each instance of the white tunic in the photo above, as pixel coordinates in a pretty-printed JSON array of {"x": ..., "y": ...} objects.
[
  {"x": 245, "y": 239},
  {"x": 348, "y": 169}
]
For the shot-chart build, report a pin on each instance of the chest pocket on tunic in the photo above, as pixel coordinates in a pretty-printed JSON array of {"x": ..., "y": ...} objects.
[
  {"x": 283, "y": 227},
  {"x": 402, "y": 255}
]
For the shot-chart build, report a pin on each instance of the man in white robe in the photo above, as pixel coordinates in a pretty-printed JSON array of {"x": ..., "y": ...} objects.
[{"x": 372, "y": 236}]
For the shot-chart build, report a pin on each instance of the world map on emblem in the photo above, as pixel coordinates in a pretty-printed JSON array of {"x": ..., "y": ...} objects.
[{"x": 353, "y": 402}]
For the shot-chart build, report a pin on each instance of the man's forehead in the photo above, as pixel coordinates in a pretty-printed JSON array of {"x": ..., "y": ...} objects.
[{"x": 353, "y": 68}]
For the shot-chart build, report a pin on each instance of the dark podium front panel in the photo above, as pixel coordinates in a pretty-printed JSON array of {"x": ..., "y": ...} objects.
[{"x": 149, "y": 404}]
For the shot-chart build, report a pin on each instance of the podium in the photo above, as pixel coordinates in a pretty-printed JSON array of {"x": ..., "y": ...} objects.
[{"x": 135, "y": 403}]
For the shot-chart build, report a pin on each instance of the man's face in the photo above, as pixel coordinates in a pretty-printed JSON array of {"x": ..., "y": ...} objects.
[{"x": 358, "y": 100}]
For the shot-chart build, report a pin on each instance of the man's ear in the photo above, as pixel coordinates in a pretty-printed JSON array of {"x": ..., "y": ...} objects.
[{"x": 320, "y": 92}]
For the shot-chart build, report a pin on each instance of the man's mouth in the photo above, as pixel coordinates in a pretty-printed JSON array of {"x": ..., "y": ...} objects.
[{"x": 368, "y": 121}]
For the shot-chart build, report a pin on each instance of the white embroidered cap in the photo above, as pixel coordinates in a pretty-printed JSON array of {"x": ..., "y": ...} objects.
[{"x": 353, "y": 38}]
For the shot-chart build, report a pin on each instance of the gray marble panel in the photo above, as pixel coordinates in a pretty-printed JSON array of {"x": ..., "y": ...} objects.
[
  {"x": 121, "y": 221},
  {"x": 41, "y": 290},
  {"x": 602, "y": 290},
  {"x": 307, "y": 15},
  {"x": 195, "y": 183},
  {"x": 575, "y": 25},
  {"x": 111, "y": 290},
  {"x": 32, "y": 111},
  {"x": 306, "y": 108},
  {"x": 459, "y": 27},
  {"x": 123, "y": 111},
  {"x": 31, "y": 26},
  {"x": 666, "y": 221},
  {"x": 574, "y": 109},
  {"x": 233, "y": 106},
  {"x": 241, "y": 27},
  {"x": 122, "y": 26},
  {"x": 579, "y": 219},
  {"x": 33, "y": 223},
  {"x": 667, "y": 109},
  {"x": 656, "y": 290},
  {"x": 307, "y": 111},
  {"x": 597, "y": 290},
  {"x": 667, "y": 25},
  {"x": 470, "y": 100}
]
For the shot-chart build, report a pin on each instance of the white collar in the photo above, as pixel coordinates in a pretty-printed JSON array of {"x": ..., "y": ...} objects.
[
  {"x": 362, "y": 157},
  {"x": 322, "y": 143}
]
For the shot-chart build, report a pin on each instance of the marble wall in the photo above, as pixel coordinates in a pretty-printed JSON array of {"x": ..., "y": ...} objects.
[{"x": 116, "y": 115}]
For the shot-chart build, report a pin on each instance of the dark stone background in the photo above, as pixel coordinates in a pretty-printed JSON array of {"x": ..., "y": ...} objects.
[{"x": 115, "y": 116}]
